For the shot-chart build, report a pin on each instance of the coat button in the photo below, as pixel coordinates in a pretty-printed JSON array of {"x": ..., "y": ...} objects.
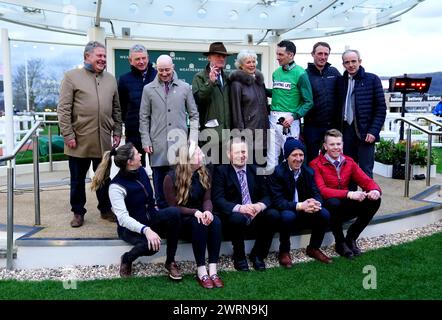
[{"x": 168, "y": 110}]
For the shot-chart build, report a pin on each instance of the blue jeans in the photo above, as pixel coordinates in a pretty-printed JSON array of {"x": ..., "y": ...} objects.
[
  {"x": 292, "y": 220},
  {"x": 203, "y": 236},
  {"x": 78, "y": 168},
  {"x": 342, "y": 210},
  {"x": 164, "y": 222}
]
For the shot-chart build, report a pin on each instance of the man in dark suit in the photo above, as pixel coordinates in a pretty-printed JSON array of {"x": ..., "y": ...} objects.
[
  {"x": 242, "y": 199},
  {"x": 295, "y": 194}
]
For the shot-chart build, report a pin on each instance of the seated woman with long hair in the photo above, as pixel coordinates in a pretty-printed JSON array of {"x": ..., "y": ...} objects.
[
  {"x": 188, "y": 188},
  {"x": 139, "y": 222}
]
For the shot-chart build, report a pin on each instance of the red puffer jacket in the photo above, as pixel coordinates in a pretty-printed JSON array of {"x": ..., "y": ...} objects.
[{"x": 332, "y": 184}]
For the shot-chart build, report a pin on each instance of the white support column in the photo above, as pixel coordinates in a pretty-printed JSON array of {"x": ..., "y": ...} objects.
[
  {"x": 7, "y": 83},
  {"x": 96, "y": 34},
  {"x": 273, "y": 41}
]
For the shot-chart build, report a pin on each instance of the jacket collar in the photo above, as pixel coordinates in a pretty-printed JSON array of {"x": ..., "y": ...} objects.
[
  {"x": 312, "y": 67},
  {"x": 324, "y": 160},
  {"x": 245, "y": 78},
  {"x": 360, "y": 74}
]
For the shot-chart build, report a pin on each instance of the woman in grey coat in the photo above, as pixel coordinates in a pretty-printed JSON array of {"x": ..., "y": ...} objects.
[{"x": 248, "y": 101}]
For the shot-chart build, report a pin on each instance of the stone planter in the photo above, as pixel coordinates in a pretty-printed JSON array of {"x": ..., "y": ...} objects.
[
  {"x": 423, "y": 170},
  {"x": 385, "y": 170}
]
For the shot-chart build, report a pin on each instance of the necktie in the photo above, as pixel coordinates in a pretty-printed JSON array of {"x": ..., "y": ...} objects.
[
  {"x": 295, "y": 177},
  {"x": 244, "y": 189},
  {"x": 144, "y": 75},
  {"x": 348, "y": 102},
  {"x": 336, "y": 163},
  {"x": 245, "y": 195},
  {"x": 220, "y": 80},
  {"x": 166, "y": 87}
]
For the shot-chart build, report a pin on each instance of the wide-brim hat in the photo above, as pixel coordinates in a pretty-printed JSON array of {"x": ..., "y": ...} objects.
[{"x": 217, "y": 47}]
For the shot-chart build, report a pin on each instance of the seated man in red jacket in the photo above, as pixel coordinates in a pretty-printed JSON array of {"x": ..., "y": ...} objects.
[{"x": 333, "y": 173}]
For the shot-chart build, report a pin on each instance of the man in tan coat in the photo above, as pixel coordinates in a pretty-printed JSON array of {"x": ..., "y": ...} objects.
[{"x": 89, "y": 116}]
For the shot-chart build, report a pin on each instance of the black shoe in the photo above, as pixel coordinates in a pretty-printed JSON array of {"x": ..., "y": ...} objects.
[
  {"x": 258, "y": 264},
  {"x": 353, "y": 246},
  {"x": 241, "y": 265},
  {"x": 343, "y": 250},
  {"x": 125, "y": 268}
]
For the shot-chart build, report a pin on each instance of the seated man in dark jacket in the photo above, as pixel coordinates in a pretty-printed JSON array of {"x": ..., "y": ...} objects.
[
  {"x": 297, "y": 197},
  {"x": 334, "y": 171},
  {"x": 241, "y": 198}
]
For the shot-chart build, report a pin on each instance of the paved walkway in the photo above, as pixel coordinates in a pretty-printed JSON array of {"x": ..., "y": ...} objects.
[{"x": 56, "y": 215}]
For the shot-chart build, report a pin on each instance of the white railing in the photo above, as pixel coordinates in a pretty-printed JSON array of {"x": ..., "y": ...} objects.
[
  {"x": 22, "y": 124},
  {"x": 391, "y": 128}
]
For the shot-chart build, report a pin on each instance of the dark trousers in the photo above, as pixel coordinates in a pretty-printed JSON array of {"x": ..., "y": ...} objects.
[
  {"x": 313, "y": 138},
  {"x": 203, "y": 236},
  {"x": 159, "y": 173},
  {"x": 360, "y": 151},
  {"x": 296, "y": 220},
  {"x": 135, "y": 138},
  {"x": 78, "y": 168},
  {"x": 164, "y": 222},
  {"x": 342, "y": 210},
  {"x": 264, "y": 226}
]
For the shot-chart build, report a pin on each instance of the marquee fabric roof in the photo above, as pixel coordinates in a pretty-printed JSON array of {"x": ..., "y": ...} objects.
[{"x": 234, "y": 21}]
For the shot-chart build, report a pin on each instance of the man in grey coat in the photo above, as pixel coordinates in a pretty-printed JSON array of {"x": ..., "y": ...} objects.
[
  {"x": 89, "y": 116},
  {"x": 166, "y": 105}
]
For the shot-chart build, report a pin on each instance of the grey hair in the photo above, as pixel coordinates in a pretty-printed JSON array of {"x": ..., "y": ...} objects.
[
  {"x": 91, "y": 45},
  {"x": 137, "y": 48},
  {"x": 243, "y": 55},
  {"x": 351, "y": 51}
]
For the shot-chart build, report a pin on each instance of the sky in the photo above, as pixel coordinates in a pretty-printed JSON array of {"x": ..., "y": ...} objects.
[{"x": 413, "y": 45}]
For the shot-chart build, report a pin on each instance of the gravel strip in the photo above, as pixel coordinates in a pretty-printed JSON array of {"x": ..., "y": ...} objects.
[{"x": 188, "y": 267}]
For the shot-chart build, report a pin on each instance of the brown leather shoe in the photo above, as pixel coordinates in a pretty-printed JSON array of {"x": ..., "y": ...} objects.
[
  {"x": 109, "y": 216},
  {"x": 285, "y": 260},
  {"x": 217, "y": 281},
  {"x": 318, "y": 255},
  {"x": 125, "y": 269},
  {"x": 174, "y": 271},
  {"x": 77, "y": 221},
  {"x": 205, "y": 282}
]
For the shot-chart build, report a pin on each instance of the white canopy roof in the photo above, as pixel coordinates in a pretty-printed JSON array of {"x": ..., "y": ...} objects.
[{"x": 234, "y": 21}]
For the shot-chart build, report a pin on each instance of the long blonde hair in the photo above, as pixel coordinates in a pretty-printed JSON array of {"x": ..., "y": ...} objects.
[
  {"x": 121, "y": 155},
  {"x": 183, "y": 175}
]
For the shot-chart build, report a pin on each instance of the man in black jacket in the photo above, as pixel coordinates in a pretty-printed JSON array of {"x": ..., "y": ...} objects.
[
  {"x": 242, "y": 199},
  {"x": 322, "y": 117},
  {"x": 363, "y": 111},
  {"x": 130, "y": 90},
  {"x": 296, "y": 196}
]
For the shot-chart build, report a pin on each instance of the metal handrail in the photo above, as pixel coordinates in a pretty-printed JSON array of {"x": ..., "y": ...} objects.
[
  {"x": 429, "y": 120},
  {"x": 10, "y": 186},
  {"x": 407, "y": 152},
  {"x": 22, "y": 142}
]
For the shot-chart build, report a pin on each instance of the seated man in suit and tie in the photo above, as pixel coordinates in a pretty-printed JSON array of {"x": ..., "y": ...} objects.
[
  {"x": 242, "y": 199},
  {"x": 334, "y": 172},
  {"x": 296, "y": 195}
]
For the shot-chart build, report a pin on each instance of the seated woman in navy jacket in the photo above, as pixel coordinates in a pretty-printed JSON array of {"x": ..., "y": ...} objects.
[
  {"x": 139, "y": 222},
  {"x": 188, "y": 188}
]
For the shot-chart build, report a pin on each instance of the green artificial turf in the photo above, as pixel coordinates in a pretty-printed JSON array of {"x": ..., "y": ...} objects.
[{"x": 408, "y": 271}]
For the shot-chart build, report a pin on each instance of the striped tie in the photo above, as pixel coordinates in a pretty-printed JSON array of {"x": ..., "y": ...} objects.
[{"x": 245, "y": 195}]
